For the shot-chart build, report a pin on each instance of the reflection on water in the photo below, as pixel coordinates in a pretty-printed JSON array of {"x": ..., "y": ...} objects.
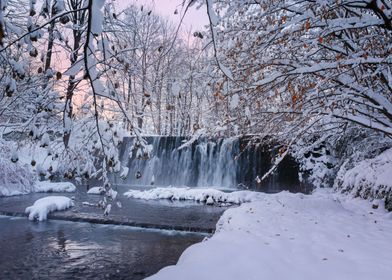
[{"x": 69, "y": 250}]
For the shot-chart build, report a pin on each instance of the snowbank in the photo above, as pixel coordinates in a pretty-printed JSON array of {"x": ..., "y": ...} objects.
[
  {"x": 18, "y": 178},
  {"x": 42, "y": 207},
  {"x": 47, "y": 186},
  {"x": 15, "y": 178},
  {"x": 208, "y": 196},
  {"x": 292, "y": 236},
  {"x": 369, "y": 179}
]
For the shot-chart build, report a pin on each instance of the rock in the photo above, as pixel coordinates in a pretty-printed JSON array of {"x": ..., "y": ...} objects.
[
  {"x": 210, "y": 201},
  {"x": 388, "y": 203}
]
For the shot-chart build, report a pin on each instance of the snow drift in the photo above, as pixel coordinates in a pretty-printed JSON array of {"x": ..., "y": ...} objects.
[{"x": 369, "y": 179}]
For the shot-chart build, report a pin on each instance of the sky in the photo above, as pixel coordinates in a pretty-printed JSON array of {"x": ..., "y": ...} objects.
[{"x": 195, "y": 18}]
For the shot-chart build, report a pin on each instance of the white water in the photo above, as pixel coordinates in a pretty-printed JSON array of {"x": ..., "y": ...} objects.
[{"x": 206, "y": 163}]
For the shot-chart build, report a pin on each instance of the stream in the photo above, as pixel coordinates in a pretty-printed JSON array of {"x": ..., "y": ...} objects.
[{"x": 133, "y": 242}]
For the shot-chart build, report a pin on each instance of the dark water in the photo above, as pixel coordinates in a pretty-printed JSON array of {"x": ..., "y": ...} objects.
[
  {"x": 73, "y": 250},
  {"x": 162, "y": 214},
  {"x": 133, "y": 242}
]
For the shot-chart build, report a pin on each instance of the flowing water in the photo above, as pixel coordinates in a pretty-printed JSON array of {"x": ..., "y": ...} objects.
[
  {"x": 221, "y": 163},
  {"x": 73, "y": 250},
  {"x": 141, "y": 237},
  {"x": 134, "y": 241}
]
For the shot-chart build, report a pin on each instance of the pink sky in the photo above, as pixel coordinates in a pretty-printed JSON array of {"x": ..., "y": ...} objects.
[{"x": 195, "y": 18}]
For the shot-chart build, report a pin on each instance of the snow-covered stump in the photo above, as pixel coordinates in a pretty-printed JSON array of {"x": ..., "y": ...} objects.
[{"x": 42, "y": 207}]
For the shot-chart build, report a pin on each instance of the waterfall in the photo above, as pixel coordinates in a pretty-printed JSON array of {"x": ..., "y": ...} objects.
[
  {"x": 219, "y": 163},
  {"x": 206, "y": 163}
]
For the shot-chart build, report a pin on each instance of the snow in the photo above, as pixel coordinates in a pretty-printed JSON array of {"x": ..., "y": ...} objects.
[
  {"x": 198, "y": 133},
  {"x": 18, "y": 179},
  {"x": 124, "y": 172},
  {"x": 15, "y": 178},
  {"x": 293, "y": 236},
  {"x": 234, "y": 101},
  {"x": 47, "y": 186},
  {"x": 97, "y": 16},
  {"x": 96, "y": 190},
  {"x": 370, "y": 178},
  {"x": 214, "y": 20},
  {"x": 101, "y": 191},
  {"x": 43, "y": 206},
  {"x": 204, "y": 195}
]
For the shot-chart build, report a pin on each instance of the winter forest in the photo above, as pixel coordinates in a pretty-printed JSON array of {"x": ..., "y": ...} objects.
[{"x": 137, "y": 136}]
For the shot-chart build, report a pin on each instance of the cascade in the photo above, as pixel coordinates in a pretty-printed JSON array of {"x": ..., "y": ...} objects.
[{"x": 221, "y": 163}]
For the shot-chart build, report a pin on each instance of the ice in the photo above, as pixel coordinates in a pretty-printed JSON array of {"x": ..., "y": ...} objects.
[{"x": 43, "y": 206}]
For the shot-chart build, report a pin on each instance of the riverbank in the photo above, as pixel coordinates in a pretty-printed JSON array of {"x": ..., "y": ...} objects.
[{"x": 293, "y": 236}]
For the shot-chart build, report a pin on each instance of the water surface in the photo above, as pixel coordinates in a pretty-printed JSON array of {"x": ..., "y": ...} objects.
[{"x": 74, "y": 250}]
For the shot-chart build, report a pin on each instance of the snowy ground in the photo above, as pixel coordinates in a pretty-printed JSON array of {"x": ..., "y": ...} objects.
[{"x": 293, "y": 236}]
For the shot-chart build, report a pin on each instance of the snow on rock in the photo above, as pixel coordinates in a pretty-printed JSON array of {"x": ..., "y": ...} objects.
[
  {"x": 292, "y": 236},
  {"x": 42, "y": 207},
  {"x": 96, "y": 190},
  {"x": 208, "y": 196},
  {"x": 47, "y": 186},
  {"x": 369, "y": 179},
  {"x": 101, "y": 191}
]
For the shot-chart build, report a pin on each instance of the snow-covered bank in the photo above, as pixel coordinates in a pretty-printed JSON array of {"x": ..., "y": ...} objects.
[
  {"x": 207, "y": 196},
  {"x": 18, "y": 178},
  {"x": 293, "y": 236},
  {"x": 25, "y": 187},
  {"x": 42, "y": 207},
  {"x": 369, "y": 179},
  {"x": 47, "y": 186}
]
